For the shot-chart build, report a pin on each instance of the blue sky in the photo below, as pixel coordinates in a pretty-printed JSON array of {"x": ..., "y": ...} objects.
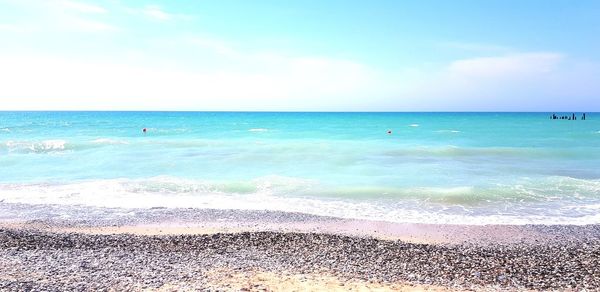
[{"x": 300, "y": 55}]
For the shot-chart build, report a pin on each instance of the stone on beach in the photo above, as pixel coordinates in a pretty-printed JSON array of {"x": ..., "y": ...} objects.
[{"x": 42, "y": 260}]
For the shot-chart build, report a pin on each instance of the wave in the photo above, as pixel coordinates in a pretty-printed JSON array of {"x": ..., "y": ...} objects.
[
  {"x": 283, "y": 149},
  {"x": 44, "y": 146},
  {"x": 57, "y": 145},
  {"x": 258, "y": 130},
  {"x": 450, "y": 151},
  {"x": 552, "y": 200},
  {"x": 524, "y": 191},
  {"x": 413, "y": 125},
  {"x": 169, "y": 130},
  {"x": 109, "y": 141}
]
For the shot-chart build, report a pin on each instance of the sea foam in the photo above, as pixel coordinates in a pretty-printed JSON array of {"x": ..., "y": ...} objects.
[
  {"x": 456, "y": 205},
  {"x": 109, "y": 141},
  {"x": 36, "y": 147}
]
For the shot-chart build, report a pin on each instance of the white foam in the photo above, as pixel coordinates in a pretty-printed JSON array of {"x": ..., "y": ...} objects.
[
  {"x": 170, "y": 131},
  {"x": 43, "y": 146},
  {"x": 109, "y": 141},
  {"x": 181, "y": 193},
  {"x": 413, "y": 125},
  {"x": 52, "y": 144},
  {"x": 258, "y": 130}
]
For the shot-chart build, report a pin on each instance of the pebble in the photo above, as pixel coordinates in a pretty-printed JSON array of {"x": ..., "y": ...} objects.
[{"x": 43, "y": 260}]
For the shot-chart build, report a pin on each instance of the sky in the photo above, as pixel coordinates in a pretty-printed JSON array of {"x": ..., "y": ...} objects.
[{"x": 304, "y": 55}]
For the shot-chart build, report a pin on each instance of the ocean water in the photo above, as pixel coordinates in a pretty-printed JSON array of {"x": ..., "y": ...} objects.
[{"x": 449, "y": 168}]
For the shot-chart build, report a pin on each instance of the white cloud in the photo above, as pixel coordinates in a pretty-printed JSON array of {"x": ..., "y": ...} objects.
[
  {"x": 78, "y": 6},
  {"x": 269, "y": 81},
  {"x": 511, "y": 66},
  {"x": 86, "y": 25},
  {"x": 156, "y": 12},
  {"x": 10, "y": 27},
  {"x": 58, "y": 16},
  {"x": 476, "y": 47},
  {"x": 520, "y": 81},
  {"x": 66, "y": 83},
  {"x": 216, "y": 46},
  {"x": 153, "y": 12},
  {"x": 69, "y": 15},
  {"x": 207, "y": 73}
]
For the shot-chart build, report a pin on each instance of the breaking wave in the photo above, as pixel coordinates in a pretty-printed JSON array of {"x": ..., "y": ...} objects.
[
  {"x": 44, "y": 146},
  {"x": 556, "y": 200},
  {"x": 109, "y": 141}
]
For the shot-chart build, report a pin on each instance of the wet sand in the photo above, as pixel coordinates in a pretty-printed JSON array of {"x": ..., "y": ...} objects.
[{"x": 164, "y": 221}]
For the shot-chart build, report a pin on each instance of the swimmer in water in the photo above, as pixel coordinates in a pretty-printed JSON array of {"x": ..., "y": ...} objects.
[{"x": 144, "y": 130}]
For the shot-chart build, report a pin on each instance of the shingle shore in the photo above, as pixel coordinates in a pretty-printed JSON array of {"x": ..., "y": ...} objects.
[
  {"x": 41, "y": 260},
  {"x": 61, "y": 218}
]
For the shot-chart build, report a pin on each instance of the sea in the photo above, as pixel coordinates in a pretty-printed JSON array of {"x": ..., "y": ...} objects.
[{"x": 439, "y": 168}]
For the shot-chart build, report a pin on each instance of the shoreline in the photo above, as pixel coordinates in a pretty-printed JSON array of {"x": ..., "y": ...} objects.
[
  {"x": 179, "y": 249},
  {"x": 173, "y": 221},
  {"x": 410, "y": 232}
]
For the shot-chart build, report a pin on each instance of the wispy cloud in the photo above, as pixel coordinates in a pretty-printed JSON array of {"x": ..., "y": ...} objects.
[
  {"x": 59, "y": 16},
  {"x": 294, "y": 75},
  {"x": 216, "y": 46},
  {"x": 88, "y": 25},
  {"x": 508, "y": 66},
  {"x": 476, "y": 47},
  {"x": 156, "y": 12},
  {"x": 527, "y": 80},
  {"x": 79, "y": 6},
  {"x": 16, "y": 28},
  {"x": 78, "y": 16},
  {"x": 202, "y": 71},
  {"x": 272, "y": 82}
]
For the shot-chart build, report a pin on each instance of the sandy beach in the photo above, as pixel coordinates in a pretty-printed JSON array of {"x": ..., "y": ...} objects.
[{"x": 191, "y": 249}]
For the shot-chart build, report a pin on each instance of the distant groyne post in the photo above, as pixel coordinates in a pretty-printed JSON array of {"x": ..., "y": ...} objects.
[{"x": 572, "y": 117}]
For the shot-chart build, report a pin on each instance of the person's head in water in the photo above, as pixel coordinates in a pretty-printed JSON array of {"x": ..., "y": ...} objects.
[{"x": 144, "y": 130}]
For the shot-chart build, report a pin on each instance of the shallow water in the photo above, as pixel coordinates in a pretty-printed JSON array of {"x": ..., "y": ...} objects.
[{"x": 457, "y": 168}]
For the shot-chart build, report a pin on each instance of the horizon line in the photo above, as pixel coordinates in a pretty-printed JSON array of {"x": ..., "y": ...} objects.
[{"x": 284, "y": 111}]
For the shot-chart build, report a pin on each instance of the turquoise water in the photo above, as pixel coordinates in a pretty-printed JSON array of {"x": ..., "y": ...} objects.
[{"x": 456, "y": 168}]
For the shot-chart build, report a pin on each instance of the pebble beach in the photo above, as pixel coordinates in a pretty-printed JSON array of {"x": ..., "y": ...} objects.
[{"x": 78, "y": 255}]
